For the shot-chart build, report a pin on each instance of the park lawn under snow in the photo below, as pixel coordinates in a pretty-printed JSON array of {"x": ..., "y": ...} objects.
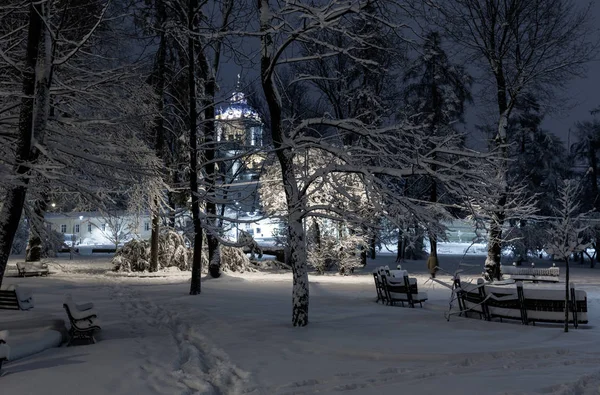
[{"x": 236, "y": 338}]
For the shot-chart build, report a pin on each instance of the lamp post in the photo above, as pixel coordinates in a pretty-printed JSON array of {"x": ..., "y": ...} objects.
[
  {"x": 80, "y": 228},
  {"x": 237, "y": 225}
]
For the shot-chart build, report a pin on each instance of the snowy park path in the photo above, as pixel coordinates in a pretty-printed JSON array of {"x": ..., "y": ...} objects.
[
  {"x": 199, "y": 366},
  {"x": 236, "y": 338}
]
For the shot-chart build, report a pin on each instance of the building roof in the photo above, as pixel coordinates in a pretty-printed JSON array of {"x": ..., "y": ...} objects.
[{"x": 238, "y": 108}]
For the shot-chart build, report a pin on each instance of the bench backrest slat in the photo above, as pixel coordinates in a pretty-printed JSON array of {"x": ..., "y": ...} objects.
[{"x": 9, "y": 301}]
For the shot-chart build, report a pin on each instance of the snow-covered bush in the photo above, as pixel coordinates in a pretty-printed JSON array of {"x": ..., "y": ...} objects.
[
  {"x": 235, "y": 260},
  {"x": 134, "y": 256},
  {"x": 332, "y": 253}
]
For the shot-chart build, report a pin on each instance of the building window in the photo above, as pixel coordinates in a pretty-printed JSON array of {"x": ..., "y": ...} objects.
[
  {"x": 89, "y": 227},
  {"x": 76, "y": 228},
  {"x": 63, "y": 228},
  {"x": 146, "y": 226},
  {"x": 257, "y": 230},
  {"x": 104, "y": 227}
]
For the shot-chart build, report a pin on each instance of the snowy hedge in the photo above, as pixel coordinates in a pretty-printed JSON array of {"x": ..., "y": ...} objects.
[{"x": 134, "y": 256}]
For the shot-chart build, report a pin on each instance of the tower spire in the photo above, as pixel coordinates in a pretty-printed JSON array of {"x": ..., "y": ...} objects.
[{"x": 238, "y": 95}]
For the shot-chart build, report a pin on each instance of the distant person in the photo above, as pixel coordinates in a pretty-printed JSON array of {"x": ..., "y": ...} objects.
[{"x": 432, "y": 265}]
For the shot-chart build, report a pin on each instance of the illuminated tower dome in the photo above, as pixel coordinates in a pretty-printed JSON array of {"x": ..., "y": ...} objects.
[
  {"x": 239, "y": 123},
  {"x": 239, "y": 131}
]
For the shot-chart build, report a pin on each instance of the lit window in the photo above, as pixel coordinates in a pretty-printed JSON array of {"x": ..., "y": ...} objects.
[
  {"x": 146, "y": 226},
  {"x": 63, "y": 228},
  {"x": 76, "y": 228}
]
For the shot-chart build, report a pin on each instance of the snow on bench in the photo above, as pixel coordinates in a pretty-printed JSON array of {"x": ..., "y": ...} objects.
[
  {"x": 15, "y": 298},
  {"x": 83, "y": 318},
  {"x": 32, "y": 268},
  {"x": 528, "y": 303},
  {"x": 395, "y": 286},
  {"x": 532, "y": 273}
]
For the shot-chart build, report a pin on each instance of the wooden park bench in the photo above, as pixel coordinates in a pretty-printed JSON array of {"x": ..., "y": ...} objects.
[
  {"x": 83, "y": 319},
  {"x": 14, "y": 298},
  {"x": 395, "y": 286},
  {"x": 32, "y": 269},
  {"x": 516, "y": 301},
  {"x": 4, "y": 349},
  {"x": 535, "y": 274}
]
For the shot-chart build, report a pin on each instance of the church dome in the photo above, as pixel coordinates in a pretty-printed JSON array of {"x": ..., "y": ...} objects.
[{"x": 238, "y": 108}]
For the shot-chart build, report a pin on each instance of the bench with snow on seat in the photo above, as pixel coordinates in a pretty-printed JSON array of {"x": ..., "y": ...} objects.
[
  {"x": 15, "y": 298},
  {"x": 83, "y": 319},
  {"x": 528, "y": 303},
  {"x": 535, "y": 274},
  {"x": 396, "y": 286},
  {"x": 4, "y": 349},
  {"x": 32, "y": 269}
]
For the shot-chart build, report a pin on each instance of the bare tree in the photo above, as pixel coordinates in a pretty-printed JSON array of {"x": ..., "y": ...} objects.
[
  {"x": 384, "y": 151},
  {"x": 75, "y": 122},
  {"x": 566, "y": 233},
  {"x": 116, "y": 227},
  {"x": 522, "y": 46}
]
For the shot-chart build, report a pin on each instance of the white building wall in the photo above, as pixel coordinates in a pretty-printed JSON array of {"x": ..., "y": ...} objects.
[{"x": 93, "y": 229}]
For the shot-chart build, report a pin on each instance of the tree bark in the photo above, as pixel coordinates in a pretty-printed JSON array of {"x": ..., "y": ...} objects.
[
  {"x": 159, "y": 139},
  {"x": 373, "y": 246},
  {"x": 36, "y": 229},
  {"x": 494, "y": 248},
  {"x": 32, "y": 124},
  {"x": 295, "y": 204},
  {"x": 214, "y": 252},
  {"x": 195, "y": 286},
  {"x": 154, "y": 237}
]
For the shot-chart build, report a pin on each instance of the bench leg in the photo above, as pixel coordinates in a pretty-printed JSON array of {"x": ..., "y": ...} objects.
[{"x": 74, "y": 335}]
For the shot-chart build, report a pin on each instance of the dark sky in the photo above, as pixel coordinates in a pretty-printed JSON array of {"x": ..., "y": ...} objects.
[{"x": 582, "y": 94}]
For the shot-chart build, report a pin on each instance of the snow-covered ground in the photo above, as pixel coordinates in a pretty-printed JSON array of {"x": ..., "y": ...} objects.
[{"x": 236, "y": 338}]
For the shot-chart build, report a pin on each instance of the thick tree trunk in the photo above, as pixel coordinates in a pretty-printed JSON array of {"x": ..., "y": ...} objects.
[
  {"x": 214, "y": 252},
  {"x": 494, "y": 253},
  {"x": 36, "y": 230},
  {"x": 400, "y": 246},
  {"x": 317, "y": 233},
  {"x": 372, "y": 247},
  {"x": 154, "y": 237},
  {"x": 32, "y": 123},
  {"x": 159, "y": 142},
  {"x": 300, "y": 292},
  {"x": 195, "y": 286},
  {"x": 295, "y": 204}
]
